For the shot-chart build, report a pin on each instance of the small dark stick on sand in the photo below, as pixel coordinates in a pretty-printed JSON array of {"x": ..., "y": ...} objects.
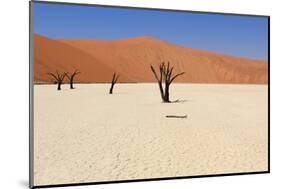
[{"x": 174, "y": 116}]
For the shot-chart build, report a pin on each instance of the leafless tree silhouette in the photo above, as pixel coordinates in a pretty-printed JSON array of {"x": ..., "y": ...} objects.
[
  {"x": 165, "y": 77},
  {"x": 58, "y": 78},
  {"x": 114, "y": 80},
  {"x": 71, "y": 78}
]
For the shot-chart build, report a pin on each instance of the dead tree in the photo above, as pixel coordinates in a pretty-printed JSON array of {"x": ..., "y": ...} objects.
[
  {"x": 58, "y": 78},
  {"x": 114, "y": 80},
  {"x": 166, "y": 77},
  {"x": 71, "y": 78}
]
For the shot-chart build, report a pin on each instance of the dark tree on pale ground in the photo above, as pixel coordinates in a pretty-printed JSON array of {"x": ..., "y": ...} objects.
[
  {"x": 58, "y": 78},
  {"x": 71, "y": 77},
  {"x": 114, "y": 80},
  {"x": 165, "y": 76}
]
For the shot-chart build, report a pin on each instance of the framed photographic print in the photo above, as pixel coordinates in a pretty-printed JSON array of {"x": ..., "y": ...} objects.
[{"x": 125, "y": 94}]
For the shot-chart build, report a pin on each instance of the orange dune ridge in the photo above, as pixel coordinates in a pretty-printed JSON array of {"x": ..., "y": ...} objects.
[{"x": 97, "y": 60}]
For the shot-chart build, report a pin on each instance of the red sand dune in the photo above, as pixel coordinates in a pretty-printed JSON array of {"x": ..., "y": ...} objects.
[{"x": 131, "y": 58}]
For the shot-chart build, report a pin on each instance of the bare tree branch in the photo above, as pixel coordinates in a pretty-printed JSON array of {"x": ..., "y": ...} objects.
[
  {"x": 173, "y": 78},
  {"x": 154, "y": 72},
  {"x": 62, "y": 77},
  {"x": 116, "y": 79},
  {"x": 53, "y": 75}
]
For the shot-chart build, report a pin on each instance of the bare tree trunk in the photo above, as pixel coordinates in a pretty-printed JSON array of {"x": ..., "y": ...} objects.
[
  {"x": 161, "y": 91},
  {"x": 113, "y": 82},
  {"x": 167, "y": 94},
  {"x": 59, "y": 86},
  {"x": 111, "y": 88},
  {"x": 71, "y": 83}
]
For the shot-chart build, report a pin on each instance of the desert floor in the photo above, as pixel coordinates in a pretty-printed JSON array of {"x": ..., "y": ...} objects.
[{"x": 87, "y": 135}]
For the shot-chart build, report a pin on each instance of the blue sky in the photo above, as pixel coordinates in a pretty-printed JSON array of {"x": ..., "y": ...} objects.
[{"x": 242, "y": 36}]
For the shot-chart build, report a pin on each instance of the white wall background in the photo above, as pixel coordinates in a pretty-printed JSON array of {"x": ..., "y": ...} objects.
[{"x": 14, "y": 92}]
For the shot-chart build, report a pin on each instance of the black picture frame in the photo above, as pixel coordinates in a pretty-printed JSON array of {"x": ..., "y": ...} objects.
[{"x": 31, "y": 98}]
